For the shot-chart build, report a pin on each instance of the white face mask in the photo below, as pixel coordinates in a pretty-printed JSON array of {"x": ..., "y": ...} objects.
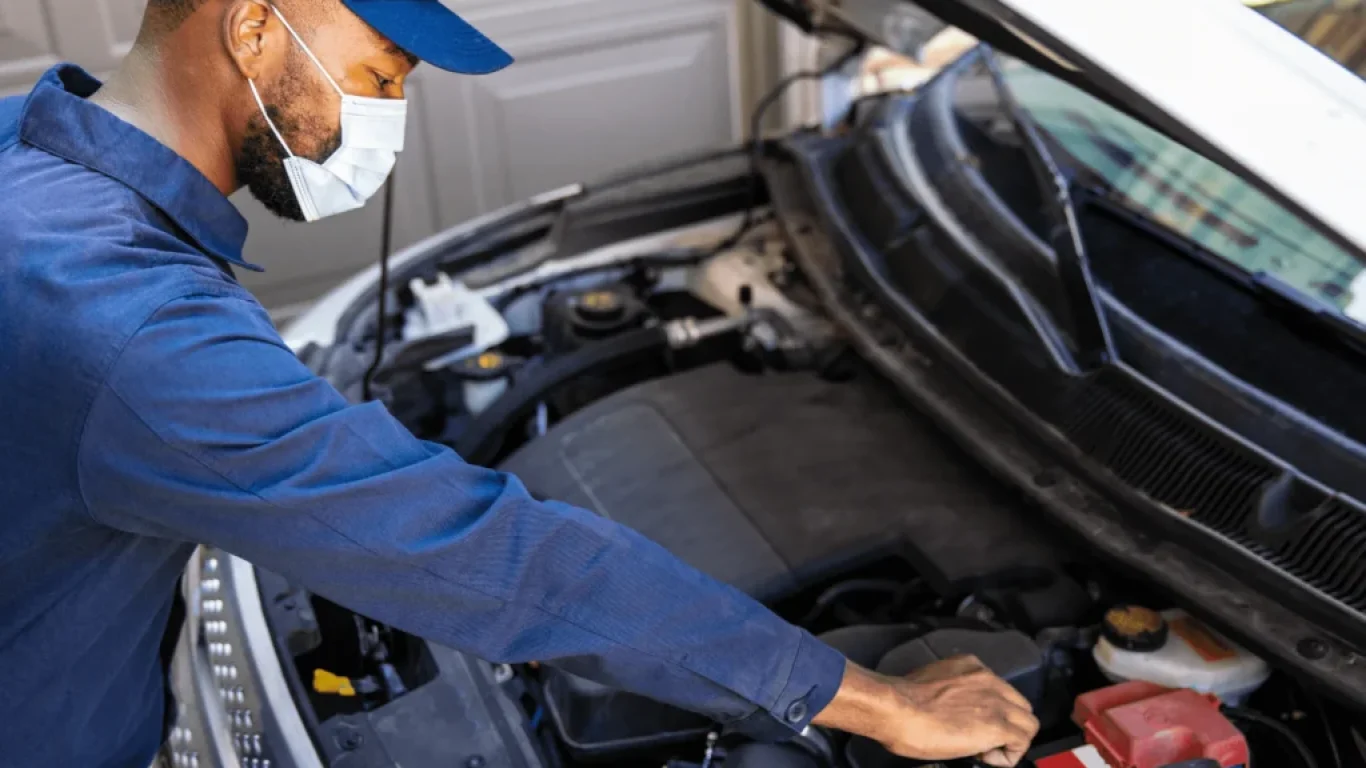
[{"x": 372, "y": 136}]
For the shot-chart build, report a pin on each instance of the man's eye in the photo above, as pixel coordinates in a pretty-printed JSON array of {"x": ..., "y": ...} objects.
[{"x": 382, "y": 81}]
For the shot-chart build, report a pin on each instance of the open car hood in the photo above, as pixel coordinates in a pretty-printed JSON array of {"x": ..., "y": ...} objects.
[{"x": 1216, "y": 75}]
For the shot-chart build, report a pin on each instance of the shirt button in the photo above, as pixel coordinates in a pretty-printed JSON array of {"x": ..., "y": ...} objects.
[{"x": 796, "y": 711}]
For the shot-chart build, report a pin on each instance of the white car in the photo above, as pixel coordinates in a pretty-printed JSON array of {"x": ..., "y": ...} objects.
[{"x": 1054, "y": 360}]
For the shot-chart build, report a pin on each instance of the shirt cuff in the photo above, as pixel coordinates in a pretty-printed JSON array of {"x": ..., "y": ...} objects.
[{"x": 817, "y": 672}]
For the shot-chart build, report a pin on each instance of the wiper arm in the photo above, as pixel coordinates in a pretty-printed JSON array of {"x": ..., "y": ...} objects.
[{"x": 1089, "y": 329}]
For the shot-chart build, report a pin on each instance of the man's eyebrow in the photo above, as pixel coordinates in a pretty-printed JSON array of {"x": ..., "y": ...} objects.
[{"x": 394, "y": 50}]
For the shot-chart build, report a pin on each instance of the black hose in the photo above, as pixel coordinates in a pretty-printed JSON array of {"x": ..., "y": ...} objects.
[
  {"x": 843, "y": 588},
  {"x": 756, "y": 138},
  {"x": 1291, "y": 738},
  {"x": 386, "y": 240},
  {"x": 479, "y": 443},
  {"x": 1327, "y": 727}
]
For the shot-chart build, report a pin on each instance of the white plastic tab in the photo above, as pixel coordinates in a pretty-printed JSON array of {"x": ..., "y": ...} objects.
[{"x": 447, "y": 305}]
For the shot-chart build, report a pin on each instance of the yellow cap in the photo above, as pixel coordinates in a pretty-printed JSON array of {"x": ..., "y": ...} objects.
[
  {"x": 326, "y": 682},
  {"x": 1135, "y": 628},
  {"x": 600, "y": 300}
]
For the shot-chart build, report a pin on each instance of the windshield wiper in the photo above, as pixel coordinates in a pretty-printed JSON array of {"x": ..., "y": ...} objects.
[{"x": 1086, "y": 320}]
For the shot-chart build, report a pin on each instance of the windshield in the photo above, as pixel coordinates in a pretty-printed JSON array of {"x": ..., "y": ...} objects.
[{"x": 1190, "y": 195}]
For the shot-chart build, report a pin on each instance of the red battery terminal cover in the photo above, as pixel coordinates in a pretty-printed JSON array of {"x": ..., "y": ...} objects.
[{"x": 1142, "y": 725}]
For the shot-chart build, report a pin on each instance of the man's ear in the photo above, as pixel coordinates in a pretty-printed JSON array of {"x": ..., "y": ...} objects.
[{"x": 253, "y": 37}]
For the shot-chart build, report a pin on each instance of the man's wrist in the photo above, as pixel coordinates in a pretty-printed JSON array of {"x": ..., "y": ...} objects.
[
  {"x": 863, "y": 705},
  {"x": 788, "y": 702}
]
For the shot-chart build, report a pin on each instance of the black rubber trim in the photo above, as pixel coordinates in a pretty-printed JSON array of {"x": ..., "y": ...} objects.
[{"x": 479, "y": 444}]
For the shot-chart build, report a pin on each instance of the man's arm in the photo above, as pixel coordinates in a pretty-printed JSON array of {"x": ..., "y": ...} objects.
[{"x": 208, "y": 429}]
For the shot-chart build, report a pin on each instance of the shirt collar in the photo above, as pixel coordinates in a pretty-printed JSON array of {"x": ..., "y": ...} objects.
[{"x": 58, "y": 118}]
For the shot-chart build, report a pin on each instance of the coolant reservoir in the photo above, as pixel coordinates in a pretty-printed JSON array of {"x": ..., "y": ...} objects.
[
  {"x": 486, "y": 379},
  {"x": 1175, "y": 650}
]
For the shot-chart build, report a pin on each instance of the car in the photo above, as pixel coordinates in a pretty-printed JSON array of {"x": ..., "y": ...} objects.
[{"x": 1054, "y": 359}]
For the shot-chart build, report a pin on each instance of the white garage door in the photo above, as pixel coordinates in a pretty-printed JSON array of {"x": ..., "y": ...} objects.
[{"x": 599, "y": 85}]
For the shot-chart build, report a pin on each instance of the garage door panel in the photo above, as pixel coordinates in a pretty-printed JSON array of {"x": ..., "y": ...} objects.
[
  {"x": 36, "y": 34},
  {"x": 302, "y": 259},
  {"x": 599, "y": 85},
  {"x": 503, "y": 18},
  {"x": 123, "y": 18},
  {"x": 94, "y": 33},
  {"x": 415, "y": 184},
  {"x": 27, "y": 48},
  {"x": 687, "y": 67}
]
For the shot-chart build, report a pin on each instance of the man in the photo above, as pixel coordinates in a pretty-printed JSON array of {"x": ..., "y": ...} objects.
[{"x": 146, "y": 403}]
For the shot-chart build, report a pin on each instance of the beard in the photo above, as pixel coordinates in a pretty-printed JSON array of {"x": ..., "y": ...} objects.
[{"x": 261, "y": 162}]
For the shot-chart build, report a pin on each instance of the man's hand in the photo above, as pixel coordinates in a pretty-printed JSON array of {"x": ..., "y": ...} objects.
[{"x": 951, "y": 709}]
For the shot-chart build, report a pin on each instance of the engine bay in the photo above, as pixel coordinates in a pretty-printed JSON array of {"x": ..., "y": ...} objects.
[{"x": 700, "y": 397}]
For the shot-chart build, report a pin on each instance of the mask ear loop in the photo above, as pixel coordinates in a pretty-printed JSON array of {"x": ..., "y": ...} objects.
[
  {"x": 306, "y": 50},
  {"x": 266, "y": 115}
]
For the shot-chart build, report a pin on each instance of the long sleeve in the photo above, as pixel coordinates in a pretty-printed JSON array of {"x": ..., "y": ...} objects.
[{"x": 208, "y": 429}]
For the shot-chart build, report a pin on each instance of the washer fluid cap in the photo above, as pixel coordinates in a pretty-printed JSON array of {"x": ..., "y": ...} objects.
[
  {"x": 1135, "y": 628},
  {"x": 486, "y": 366}
]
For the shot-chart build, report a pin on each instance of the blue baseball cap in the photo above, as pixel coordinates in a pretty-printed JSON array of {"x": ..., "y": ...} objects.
[{"x": 433, "y": 33}]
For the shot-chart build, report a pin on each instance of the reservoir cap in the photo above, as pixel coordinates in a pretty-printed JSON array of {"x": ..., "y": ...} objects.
[{"x": 1135, "y": 628}]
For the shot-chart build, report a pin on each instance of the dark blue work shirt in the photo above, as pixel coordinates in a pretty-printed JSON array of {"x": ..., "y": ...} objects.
[{"x": 147, "y": 403}]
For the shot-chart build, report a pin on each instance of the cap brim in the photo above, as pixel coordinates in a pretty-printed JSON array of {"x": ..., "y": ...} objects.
[{"x": 433, "y": 33}]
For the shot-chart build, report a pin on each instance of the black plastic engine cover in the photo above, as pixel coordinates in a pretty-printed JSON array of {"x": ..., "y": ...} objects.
[
  {"x": 1010, "y": 654},
  {"x": 595, "y": 722},
  {"x": 900, "y": 649},
  {"x": 769, "y": 482}
]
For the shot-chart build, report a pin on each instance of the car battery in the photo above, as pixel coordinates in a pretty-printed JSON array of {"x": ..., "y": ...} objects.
[
  {"x": 1089, "y": 757},
  {"x": 1084, "y": 756},
  {"x": 1142, "y": 725}
]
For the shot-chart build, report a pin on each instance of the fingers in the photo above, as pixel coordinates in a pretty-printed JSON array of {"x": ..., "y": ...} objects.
[
  {"x": 988, "y": 679},
  {"x": 1002, "y": 757},
  {"x": 1008, "y": 692},
  {"x": 1024, "y": 726},
  {"x": 947, "y": 669},
  {"x": 1017, "y": 727},
  {"x": 971, "y": 666},
  {"x": 964, "y": 665},
  {"x": 1017, "y": 740},
  {"x": 1012, "y": 729},
  {"x": 997, "y": 758},
  {"x": 1014, "y": 755},
  {"x": 960, "y": 708},
  {"x": 1024, "y": 723},
  {"x": 1015, "y": 744}
]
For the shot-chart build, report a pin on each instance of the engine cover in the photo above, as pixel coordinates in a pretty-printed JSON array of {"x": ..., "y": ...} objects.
[{"x": 768, "y": 481}]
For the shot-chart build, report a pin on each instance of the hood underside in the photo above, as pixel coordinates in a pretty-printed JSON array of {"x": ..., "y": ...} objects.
[{"x": 1217, "y": 76}]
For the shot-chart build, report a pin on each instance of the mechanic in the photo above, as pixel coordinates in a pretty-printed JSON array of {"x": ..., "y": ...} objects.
[{"x": 147, "y": 403}]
